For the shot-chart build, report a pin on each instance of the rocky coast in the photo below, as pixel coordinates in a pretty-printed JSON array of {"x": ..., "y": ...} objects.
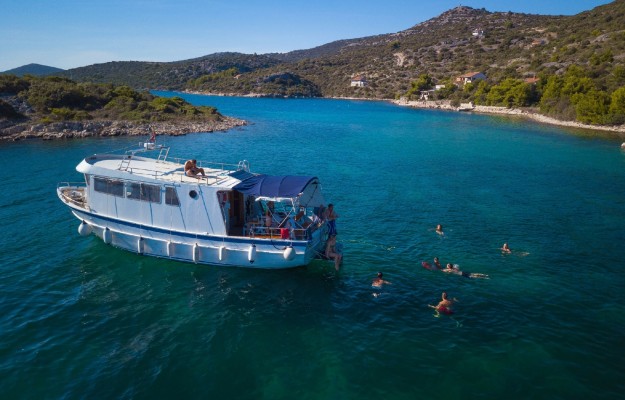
[
  {"x": 532, "y": 114},
  {"x": 94, "y": 128}
]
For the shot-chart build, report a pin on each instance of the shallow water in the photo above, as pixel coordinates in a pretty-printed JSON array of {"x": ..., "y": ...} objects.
[{"x": 80, "y": 319}]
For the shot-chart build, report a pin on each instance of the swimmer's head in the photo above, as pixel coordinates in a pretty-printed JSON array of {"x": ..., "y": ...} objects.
[
  {"x": 444, "y": 295},
  {"x": 379, "y": 274}
]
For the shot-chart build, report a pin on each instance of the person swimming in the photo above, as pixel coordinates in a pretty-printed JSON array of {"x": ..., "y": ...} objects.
[
  {"x": 378, "y": 281},
  {"x": 444, "y": 306},
  {"x": 451, "y": 269},
  {"x": 439, "y": 229},
  {"x": 505, "y": 249}
]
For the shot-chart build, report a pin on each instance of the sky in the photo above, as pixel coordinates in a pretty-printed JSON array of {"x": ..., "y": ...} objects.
[{"x": 75, "y": 33}]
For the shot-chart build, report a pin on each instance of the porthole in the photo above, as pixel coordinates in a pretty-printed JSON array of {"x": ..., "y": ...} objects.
[{"x": 193, "y": 194}]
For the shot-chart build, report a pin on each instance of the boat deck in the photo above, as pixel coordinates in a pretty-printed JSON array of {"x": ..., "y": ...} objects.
[{"x": 171, "y": 171}]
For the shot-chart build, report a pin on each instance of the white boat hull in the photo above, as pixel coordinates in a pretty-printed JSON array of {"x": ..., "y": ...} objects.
[{"x": 204, "y": 249}]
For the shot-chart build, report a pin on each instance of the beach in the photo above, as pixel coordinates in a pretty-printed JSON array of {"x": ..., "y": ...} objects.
[{"x": 530, "y": 113}]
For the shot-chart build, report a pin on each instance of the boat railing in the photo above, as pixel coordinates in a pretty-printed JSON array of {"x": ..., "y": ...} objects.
[
  {"x": 213, "y": 165},
  {"x": 78, "y": 185},
  {"x": 211, "y": 178},
  {"x": 258, "y": 230}
]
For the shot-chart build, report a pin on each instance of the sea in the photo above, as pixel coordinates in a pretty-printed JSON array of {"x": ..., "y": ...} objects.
[{"x": 80, "y": 319}]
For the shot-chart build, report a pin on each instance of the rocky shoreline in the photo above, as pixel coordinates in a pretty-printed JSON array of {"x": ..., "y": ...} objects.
[
  {"x": 83, "y": 129},
  {"x": 525, "y": 113}
]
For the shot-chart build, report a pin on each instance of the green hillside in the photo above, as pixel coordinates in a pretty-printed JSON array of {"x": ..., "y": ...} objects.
[
  {"x": 579, "y": 62},
  {"x": 55, "y": 99},
  {"x": 174, "y": 75}
]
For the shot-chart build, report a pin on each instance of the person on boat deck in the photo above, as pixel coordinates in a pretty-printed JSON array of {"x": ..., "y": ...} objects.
[
  {"x": 268, "y": 219},
  {"x": 453, "y": 270},
  {"x": 331, "y": 252},
  {"x": 439, "y": 229},
  {"x": 505, "y": 249},
  {"x": 301, "y": 219},
  {"x": 191, "y": 168},
  {"x": 379, "y": 281},
  {"x": 330, "y": 216},
  {"x": 437, "y": 263},
  {"x": 445, "y": 305}
]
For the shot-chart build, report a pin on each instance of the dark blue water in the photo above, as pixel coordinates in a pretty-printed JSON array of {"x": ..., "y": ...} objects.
[{"x": 80, "y": 319}]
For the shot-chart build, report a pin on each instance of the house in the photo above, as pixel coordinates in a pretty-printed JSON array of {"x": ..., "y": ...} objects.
[
  {"x": 359, "y": 81},
  {"x": 426, "y": 94},
  {"x": 532, "y": 80},
  {"x": 469, "y": 78},
  {"x": 478, "y": 33}
]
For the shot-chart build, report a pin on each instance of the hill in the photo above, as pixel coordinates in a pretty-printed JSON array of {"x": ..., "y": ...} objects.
[
  {"x": 173, "y": 75},
  {"x": 505, "y": 47},
  {"x": 33, "y": 69}
]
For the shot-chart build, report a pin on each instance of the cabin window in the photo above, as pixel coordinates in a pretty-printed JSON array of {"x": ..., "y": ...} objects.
[
  {"x": 133, "y": 191},
  {"x": 109, "y": 186},
  {"x": 143, "y": 192},
  {"x": 171, "y": 197},
  {"x": 193, "y": 194},
  {"x": 151, "y": 193}
]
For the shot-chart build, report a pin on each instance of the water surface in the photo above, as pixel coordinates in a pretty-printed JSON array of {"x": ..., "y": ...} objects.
[{"x": 80, "y": 319}]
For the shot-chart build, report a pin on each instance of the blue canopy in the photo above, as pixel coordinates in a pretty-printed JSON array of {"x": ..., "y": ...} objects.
[{"x": 307, "y": 188}]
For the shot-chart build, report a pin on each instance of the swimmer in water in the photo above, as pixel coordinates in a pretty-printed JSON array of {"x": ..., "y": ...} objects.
[
  {"x": 444, "y": 306},
  {"x": 450, "y": 269},
  {"x": 505, "y": 249},
  {"x": 378, "y": 281},
  {"x": 437, "y": 263},
  {"x": 439, "y": 229}
]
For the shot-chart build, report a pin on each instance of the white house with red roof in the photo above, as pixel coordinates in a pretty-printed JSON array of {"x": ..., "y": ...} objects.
[{"x": 359, "y": 81}]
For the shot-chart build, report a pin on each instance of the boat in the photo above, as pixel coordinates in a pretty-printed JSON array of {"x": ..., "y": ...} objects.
[{"x": 142, "y": 201}]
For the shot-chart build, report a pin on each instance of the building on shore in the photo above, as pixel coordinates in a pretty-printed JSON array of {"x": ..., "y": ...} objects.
[{"x": 359, "y": 81}]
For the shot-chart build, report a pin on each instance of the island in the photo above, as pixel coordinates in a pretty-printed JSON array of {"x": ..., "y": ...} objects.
[{"x": 59, "y": 108}]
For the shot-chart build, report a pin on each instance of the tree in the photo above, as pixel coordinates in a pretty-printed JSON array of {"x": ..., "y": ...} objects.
[
  {"x": 591, "y": 107},
  {"x": 424, "y": 82},
  {"x": 617, "y": 106},
  {"x": 509, "y": 93}
]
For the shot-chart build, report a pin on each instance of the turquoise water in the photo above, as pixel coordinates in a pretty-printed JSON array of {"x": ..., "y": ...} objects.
[{"x": 80, "y": 319}]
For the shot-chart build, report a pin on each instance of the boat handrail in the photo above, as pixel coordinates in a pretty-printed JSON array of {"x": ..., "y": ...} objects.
[
  {"x": 65, "y": 184},
  {"x": 216, "y": 165},
  {"x": 216, "y": 175}
]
